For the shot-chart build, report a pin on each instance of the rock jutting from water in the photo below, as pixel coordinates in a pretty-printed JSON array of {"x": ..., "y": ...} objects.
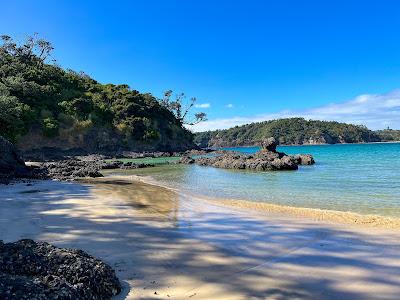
[
  {"x": 38, "y": 270},
  {"x": 267, "y": 159}
]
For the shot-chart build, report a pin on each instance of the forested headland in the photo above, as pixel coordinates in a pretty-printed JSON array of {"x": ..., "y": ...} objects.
[{"x": 293, "y": 131}]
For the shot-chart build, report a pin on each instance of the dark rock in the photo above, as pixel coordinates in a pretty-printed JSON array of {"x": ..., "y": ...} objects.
[
  {"x": 267, "y": 159},
  {"x": 116, "y": 164},
  {"x": 73, "y": 168},
  {"x": 38, "y": 270},
  {"x": 12, "y": 166},
  {"x": 269, "y": 144},
  {"x": 304, "y": 159}
]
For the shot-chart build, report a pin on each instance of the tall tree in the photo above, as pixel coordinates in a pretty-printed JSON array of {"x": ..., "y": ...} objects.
[{"x": 181, "y": 108}]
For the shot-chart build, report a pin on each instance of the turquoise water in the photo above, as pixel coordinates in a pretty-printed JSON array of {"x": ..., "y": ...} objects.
[{"x": 362, "y": 178}]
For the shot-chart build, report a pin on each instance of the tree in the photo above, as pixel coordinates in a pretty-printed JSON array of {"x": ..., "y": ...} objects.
[
  {"x": 34, "y": 48},
  {"x": 181, "y": 109},
  {"x": 11, "y": 113}
]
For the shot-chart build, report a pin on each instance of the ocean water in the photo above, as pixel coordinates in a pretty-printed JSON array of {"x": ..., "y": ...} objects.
[{"x": 361, "y": 178}]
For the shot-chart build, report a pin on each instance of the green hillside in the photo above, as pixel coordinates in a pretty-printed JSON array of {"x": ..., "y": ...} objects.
[
  {"x": 44, "y": 105},
  {"x": 291, "y": 131}
]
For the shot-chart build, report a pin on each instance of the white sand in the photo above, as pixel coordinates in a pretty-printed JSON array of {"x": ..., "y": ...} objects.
[{"x": 167, "y": 246}]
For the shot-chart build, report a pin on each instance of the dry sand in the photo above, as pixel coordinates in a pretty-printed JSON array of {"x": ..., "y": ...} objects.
[{"x": 167, "y": 245}]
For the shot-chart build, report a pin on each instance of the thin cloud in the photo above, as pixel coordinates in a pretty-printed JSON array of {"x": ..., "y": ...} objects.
[
  {"x": 230, "y": 105},
  {"x": 376, "y": 111},
  {"x": 203, "y": 105}
]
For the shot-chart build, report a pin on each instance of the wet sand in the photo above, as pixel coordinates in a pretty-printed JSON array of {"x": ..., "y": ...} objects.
[{"x": 167, "y": 245}]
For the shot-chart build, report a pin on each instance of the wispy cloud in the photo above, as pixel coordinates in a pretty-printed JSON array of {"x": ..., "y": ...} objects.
[
  {"x": 376, "y": 111},
  {"x": 203, "y": 105},
  {"x": 230, "y": 105}
]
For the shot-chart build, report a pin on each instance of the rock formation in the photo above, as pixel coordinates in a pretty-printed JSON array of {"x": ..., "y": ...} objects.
[
  {"x": 72, "y": 169},
  {"x": 12, "y": 166},
  {"x": 38, "y": 270},
  {"x": 267, "y": 159}
]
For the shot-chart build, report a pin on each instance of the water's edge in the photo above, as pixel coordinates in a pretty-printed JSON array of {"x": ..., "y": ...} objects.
[{"x": 314, "y": 214}]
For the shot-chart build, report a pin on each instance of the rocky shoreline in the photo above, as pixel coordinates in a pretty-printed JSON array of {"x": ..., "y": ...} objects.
[{"x": 13, "y": 167}]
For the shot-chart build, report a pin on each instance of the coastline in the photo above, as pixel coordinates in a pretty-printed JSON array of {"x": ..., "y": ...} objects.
[
  {"x": 314, "y": 214},
  {"x": 299, "y": 145}
]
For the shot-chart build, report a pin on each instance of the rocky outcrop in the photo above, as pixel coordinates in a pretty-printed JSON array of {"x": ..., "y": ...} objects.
[
  {"x": 241, "y": 161},
  {"x": 12, "y": 166},
  {"x": 38, "y": 270},
  {"x": 304, "y": 159},
  {"x": 72, "y": 169},
  {"x": 267, "y": 159},
  {"x": 86, "y": 167}
]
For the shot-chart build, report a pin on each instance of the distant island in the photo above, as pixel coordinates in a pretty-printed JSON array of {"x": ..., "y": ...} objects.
[{"x": 294, "y": 131}]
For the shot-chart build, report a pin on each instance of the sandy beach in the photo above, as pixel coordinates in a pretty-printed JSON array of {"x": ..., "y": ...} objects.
[{"x": 168, "y": 245}]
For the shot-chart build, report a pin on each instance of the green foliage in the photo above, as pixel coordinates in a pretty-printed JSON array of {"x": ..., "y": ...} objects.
[
  {"x": 180, "y": 109},
  {"x": 287, "y": 131},
  {"x": 37, "y": 94},
  {"x": 49, "y": 127},
  {"x": 389, "y": 135}
]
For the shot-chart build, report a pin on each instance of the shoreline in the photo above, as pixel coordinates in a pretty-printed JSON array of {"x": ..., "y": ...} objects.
[{"x": 315, "y": 214}]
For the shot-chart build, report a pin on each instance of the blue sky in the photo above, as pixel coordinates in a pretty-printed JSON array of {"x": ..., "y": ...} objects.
[{"x": 244, "y": 60}]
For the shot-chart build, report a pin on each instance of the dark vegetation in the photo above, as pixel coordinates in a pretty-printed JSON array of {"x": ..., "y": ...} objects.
[
  {"x": 291, "y": 131},
  {"x": 43, "y": 105}
]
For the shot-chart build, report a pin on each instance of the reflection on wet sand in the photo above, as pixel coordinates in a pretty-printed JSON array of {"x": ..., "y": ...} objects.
[{"x": 148, "y": 199}]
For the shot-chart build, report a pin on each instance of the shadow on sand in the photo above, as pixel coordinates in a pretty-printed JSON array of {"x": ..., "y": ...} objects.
[{"x": 158, "y": 238}]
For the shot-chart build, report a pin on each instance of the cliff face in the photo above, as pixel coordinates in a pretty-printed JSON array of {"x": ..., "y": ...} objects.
[
  {"x": 293, "y": 131},
  {"x": 98, "y": 140}
]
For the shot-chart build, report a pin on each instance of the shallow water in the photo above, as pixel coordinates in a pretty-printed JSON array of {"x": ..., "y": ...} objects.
[{"x": 362, "y": 178}]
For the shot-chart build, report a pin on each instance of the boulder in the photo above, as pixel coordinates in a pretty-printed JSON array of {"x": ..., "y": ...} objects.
[{"x": 38, "y": 270}]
